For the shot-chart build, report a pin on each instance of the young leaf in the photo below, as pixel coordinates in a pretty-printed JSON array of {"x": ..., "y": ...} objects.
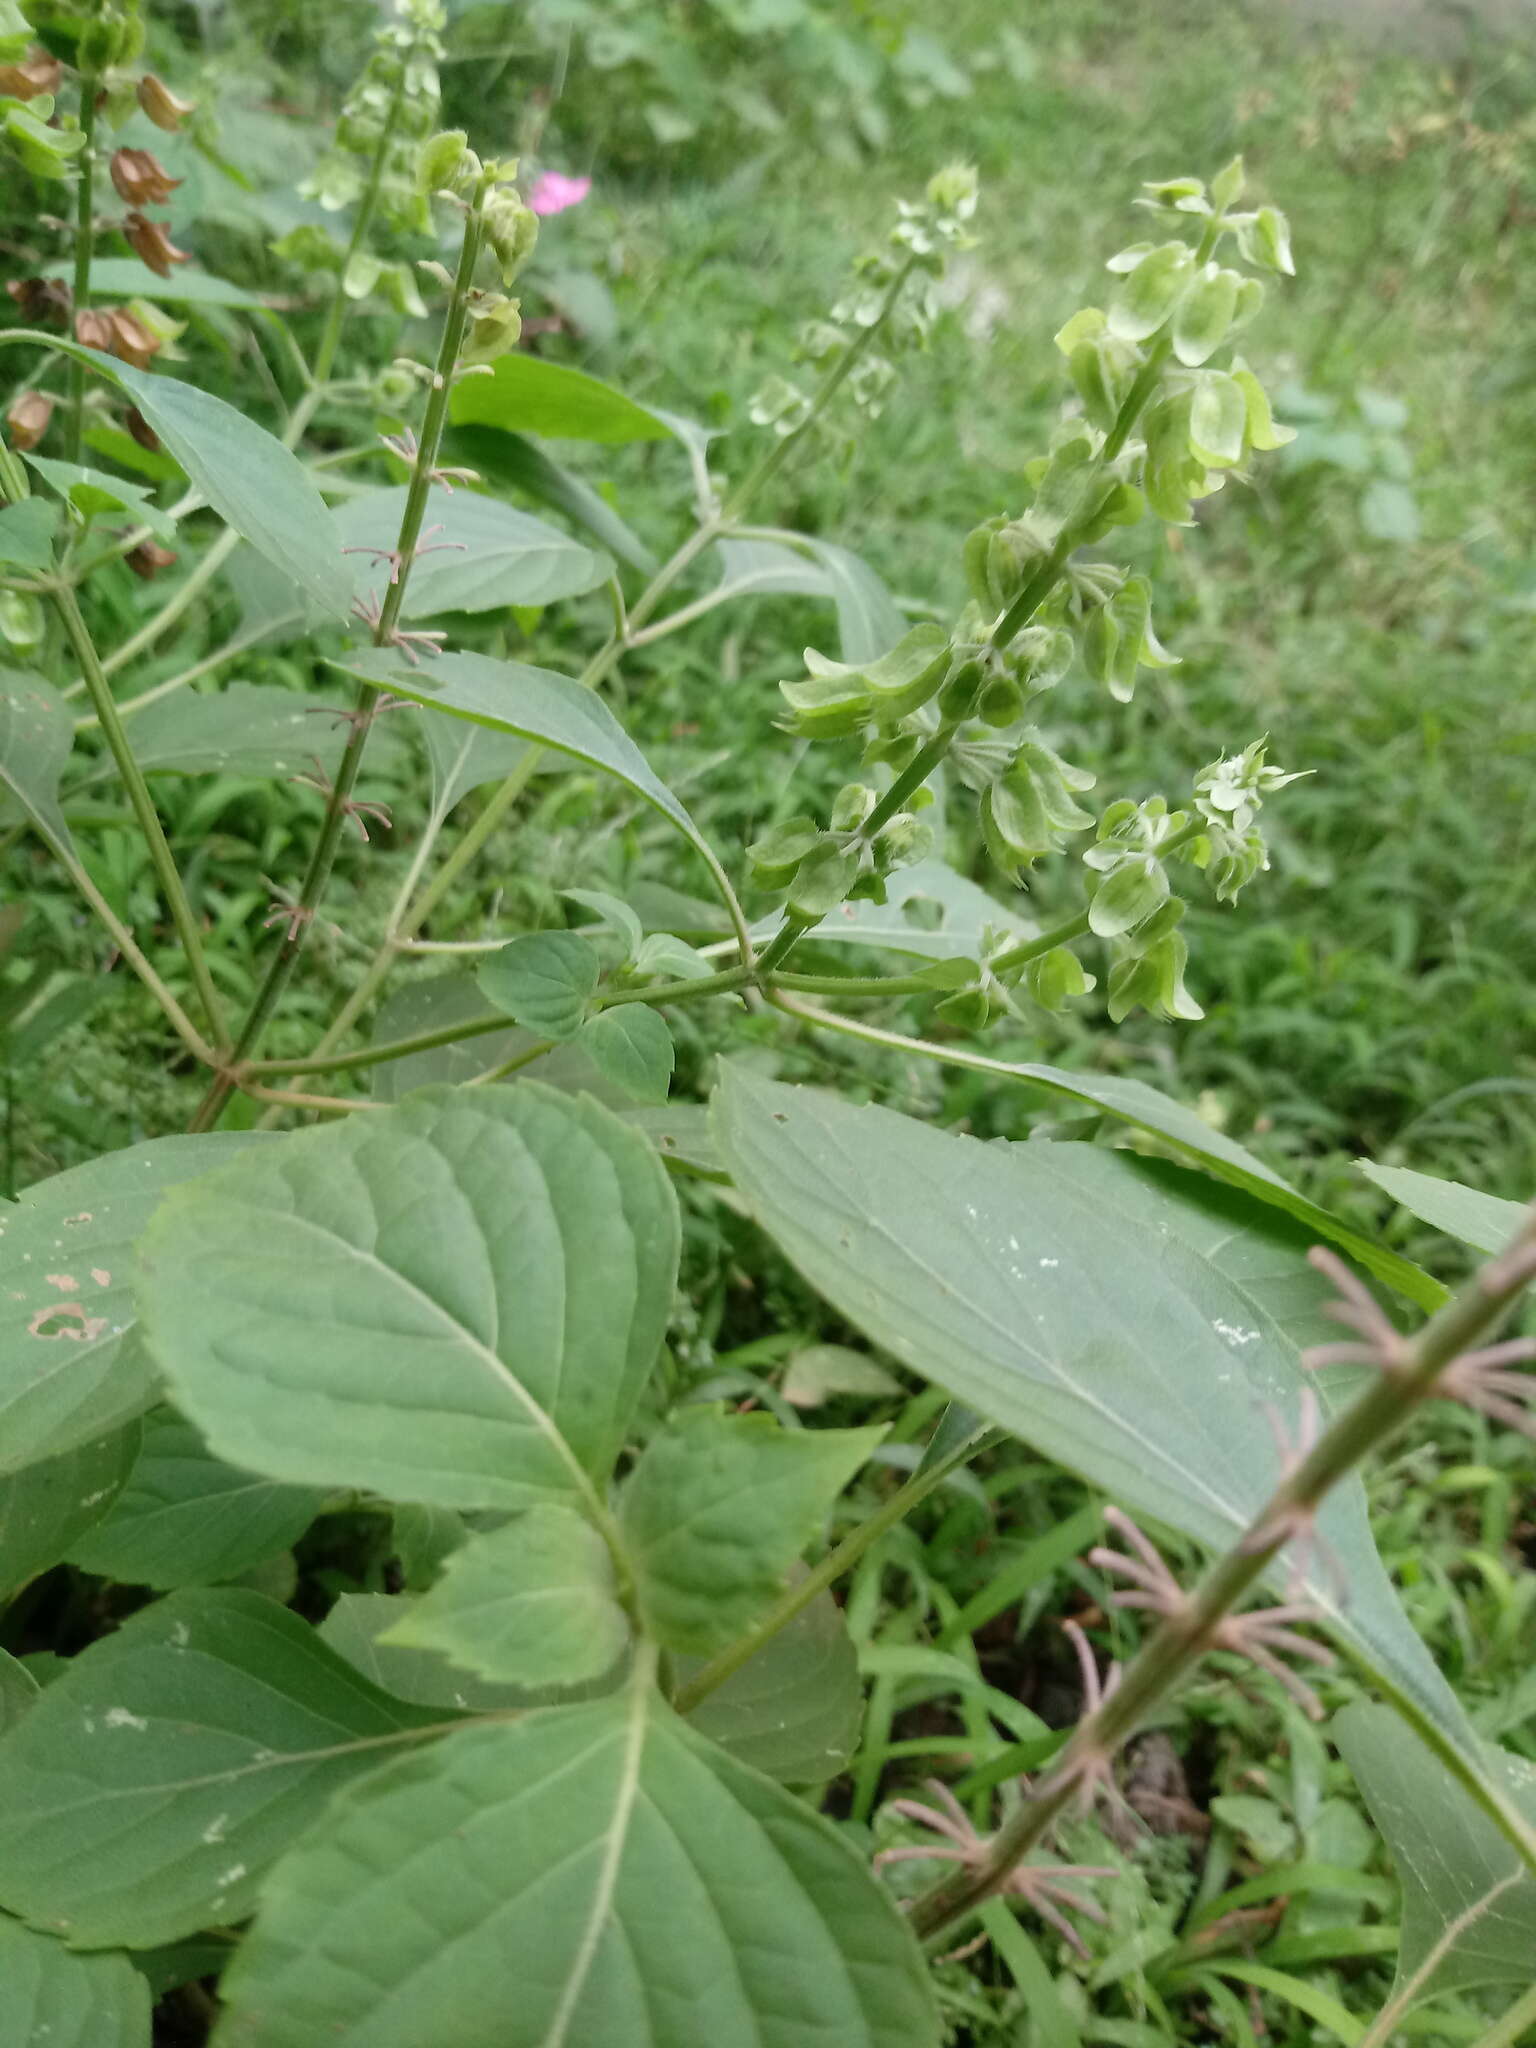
[
  {"x": 595, "y": 1874},
  {"x": 456, "y": 1300},
  {"x": 793, "y": 1710},
  {"x": 26, "y": 534},
  {"x": 252, "y": 481},
  {"x": 620, "y": 920},
  {"x": 51, "y": 1998},
  {"x": 36, "y": 735},
  {"x": 480, "y": 555},
  {"x": 187, "y": 1519},
  {"x": 357, "y": 1627},
  {"x": 1469, "y": 1903},
  {"x": 66, "y": 1375},
  {"x": 536, "y": 704},
  {"x": 526, "y": 395},
  {"x": 1485, "y": 1222},
  {"x": 543, "y": 981},
  {"x": 533, "y": 1603},
  {"x": 49, "y": 1506},
  {"x": 1064, "y": 1295},
  {"x": 718, "y": 1509},
  {"x": 633, "y": 1047},
  {"x": 150, "y": 1786}
]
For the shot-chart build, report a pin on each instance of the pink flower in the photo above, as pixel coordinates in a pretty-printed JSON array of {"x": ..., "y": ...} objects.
[{"x": 553, "y": 192}]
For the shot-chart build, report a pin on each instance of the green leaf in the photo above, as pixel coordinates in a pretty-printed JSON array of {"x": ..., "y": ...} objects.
[
  {"x": 457, "y": 1300},
  {"x": 480, "y": 555},
  {"x": 869, "y": 621},
  {"x": 36, "y": 735},
  {"x": 543, "y": 981},
  {"x": 718, "y": 1509},
  {"x": 1062, "y": 1293},
  {"x": 451, "y": 1000},
  {"x": 766, "y": 568},
  {"x": 187, "y": 1519},
  {"x": 465, "y": 757},
  {"x": 357, "y": 1629},
  {"x": 533, "y": 1603},
  {"x": 243, "y": 729},
  {"x": 251, "y": 480},
  {"x": 124, "y": 277},
  {"x": 1485, "y": 1222},
  {"x": 633, "y": 1047},
  {"x": 1469, "y": 1903},
  {"x": 536, "y": 704},
  {"x": 595, "y": 1874},
  {"x": 66, "y": 1375},
  {"x": 92, "y": 492},
  {"x": 526, "y": 395},
  {"x": 818, "y": 1371},
  {"x": 50, "y": 1998},
  {"x": 620, "y": 920},
  {"x": 18, "y": 1689},
  {"x": 151, "y": 1785},
  {"x": 793, "y": 1710},
  {"x": 48, "y": 1507},
  {"x": 26, "y": 534},
  {"x": 513, "y": 459}
]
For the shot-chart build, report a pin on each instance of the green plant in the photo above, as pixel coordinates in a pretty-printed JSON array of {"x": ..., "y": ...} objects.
[{"x": 440, "y": 1317}]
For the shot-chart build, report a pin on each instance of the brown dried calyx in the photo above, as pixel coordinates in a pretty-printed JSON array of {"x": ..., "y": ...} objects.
[
  {"x": 139, "y": 177},
  {"x": 42, "y": 299},
  {"x": 27, "y": 418},
  {"x": 38, "y": 72},
  {"x": 118, "y": 333},
  {"x": 148, "y": 559},
  {"x": 163, "y": 107},
  {"x": 151, "y": 244}
]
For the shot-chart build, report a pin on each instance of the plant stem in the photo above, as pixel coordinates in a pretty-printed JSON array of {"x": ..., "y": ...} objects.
[
  {"x": 796, "y": 1598},
  {"x": 142, "y": 803},
  {"x": 125, "y": 943},
  {"x": 1183, "y": 1637},
  {"x": 323, "y": 857},
  {"x": 85, "y": 227}
]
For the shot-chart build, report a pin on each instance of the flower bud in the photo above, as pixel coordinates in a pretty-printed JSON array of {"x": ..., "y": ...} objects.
[
  {"x": 439, "y": 160},
  {"x": 140, "y": 179},
  {"x": 1150, "y": 292},
  {"x": 776, "y": 857},
  {"x": 511, "y": 229},
  {"x": 152, "y": 245},
  {"x": 494, "y": 326},
  {"x": 27, "y": 419},
  {"x": 38, "y": 72},
  {"x": 1205, "y": 314},
  {"x": 141, "y": 430},
  {"x": 1054, "y": 978},
  {"x": 163, "y": 107}
]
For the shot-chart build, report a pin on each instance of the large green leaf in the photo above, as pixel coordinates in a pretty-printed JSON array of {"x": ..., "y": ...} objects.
[
  {"x": 869, "y": 622},
  {"x": 480, "y": 555},
  {"x": 243, "y": 729},
  {"x": 717, "y": 1510},
  {"x": 124, "y": 277},
  {"x": 1192, "y": 1139},
  {"x": 526, "y": 395},
  {"x": 52, "y": 1998},
  {"x": 766, "y": 568},
  {"x": 535, "y": 704},
  {"x": 465, "y": 757},
  {"x": 456, "y": 1300},
  {"x": 1485, "y": 1222},
  {"x": 67, "y": 1248},
  {"x": 1061, "y": 1293},
  {"x": 582, "y": 1878},
  {"x": 18, "y": 1689},
  {"x": 1469, "y": 1904},
  {"x": 36, "y": 735},
  {"x": 185, "y": 1518},
  {"x": 533, "y": 1603},
  {"x": 45, "y": 1509},
  {"x": 251, "y": 480},
  {"x": 793, "y": 1710},
  {"x": 150, "y": 1786}
]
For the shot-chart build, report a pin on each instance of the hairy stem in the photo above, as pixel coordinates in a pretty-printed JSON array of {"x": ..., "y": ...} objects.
[
  {"x": 324, "y": 855},
  {"x": 85, "y": 229},
  {"x": 142, "y": 803},
  {"x": 1183, "y": 1638}
]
